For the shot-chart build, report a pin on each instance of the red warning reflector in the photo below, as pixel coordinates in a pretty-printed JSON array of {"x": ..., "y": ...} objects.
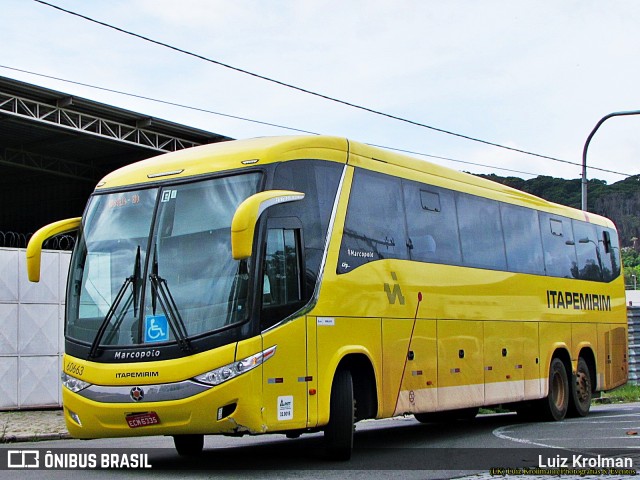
[{"x": 145, "y": 419}]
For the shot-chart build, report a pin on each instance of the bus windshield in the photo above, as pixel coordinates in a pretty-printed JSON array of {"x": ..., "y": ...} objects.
[{"x": 154, "y": 265}]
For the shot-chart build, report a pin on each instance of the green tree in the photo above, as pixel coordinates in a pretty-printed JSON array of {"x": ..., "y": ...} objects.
[
  {"x": 630, "y": 258},
  {"x": 632, "y": 277}
]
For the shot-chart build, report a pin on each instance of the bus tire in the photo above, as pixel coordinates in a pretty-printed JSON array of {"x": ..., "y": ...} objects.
[
  {"x": 581, "y": 392},
  {"x": 338, "y": 434},
  {"x": 554, "y": 406},
  {"x": 188, "y": 445}
]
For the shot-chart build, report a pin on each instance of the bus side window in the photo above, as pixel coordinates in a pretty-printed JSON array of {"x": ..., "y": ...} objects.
[
  {"x": 375, "y": 224},
  {"x": 559, "y": 246},
  {"x": 610, "y": 259},
  {"x": 522, "y": 239},
  {"x": 282, "y": 286},
  {"x": 432, "y": 226},
  {"x": 589, "y": 251},
  {"x": 480, "y": 232}
]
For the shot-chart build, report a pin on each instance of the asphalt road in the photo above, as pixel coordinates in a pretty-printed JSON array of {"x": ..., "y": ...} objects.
[{"x": 391, "y": 448}]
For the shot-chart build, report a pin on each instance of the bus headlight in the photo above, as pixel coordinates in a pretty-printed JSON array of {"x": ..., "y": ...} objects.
[
  {"x": 222, "y": 374},
  {"x": 72, "y": 383}
]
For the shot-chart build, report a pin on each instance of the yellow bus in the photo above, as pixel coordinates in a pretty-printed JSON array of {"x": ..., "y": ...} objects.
[{"x": 302, "y": 284}]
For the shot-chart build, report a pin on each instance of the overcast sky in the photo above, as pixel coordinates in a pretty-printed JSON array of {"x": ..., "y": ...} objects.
[{"x": 533, "y": 75}]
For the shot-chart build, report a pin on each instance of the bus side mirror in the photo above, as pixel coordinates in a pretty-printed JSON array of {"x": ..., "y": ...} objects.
[
  {"x": 34, "y": 248},
  {"x": 246, "y": 217}
]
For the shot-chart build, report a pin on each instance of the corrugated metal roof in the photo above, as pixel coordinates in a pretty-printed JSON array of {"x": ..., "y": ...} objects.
[{"x": 54, "y": 148}]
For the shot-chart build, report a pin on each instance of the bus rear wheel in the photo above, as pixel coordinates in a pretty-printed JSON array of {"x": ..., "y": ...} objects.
[
  {"x": 188, "y": 445},
  {"x": 554, "y": 407},
  {"x": 338, "y": 434},
  {"x": 580, "y": 391}
]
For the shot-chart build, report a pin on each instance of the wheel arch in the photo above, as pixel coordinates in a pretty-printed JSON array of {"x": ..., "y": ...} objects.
[{"x": 365, "y": 384}]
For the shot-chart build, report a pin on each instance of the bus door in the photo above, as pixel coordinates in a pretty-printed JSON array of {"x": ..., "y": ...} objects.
[{"x": 285, "y": 374}]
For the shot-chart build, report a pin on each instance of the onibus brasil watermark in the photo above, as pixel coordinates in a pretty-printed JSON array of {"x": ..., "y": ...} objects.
[{"x": 56, "y": 460}]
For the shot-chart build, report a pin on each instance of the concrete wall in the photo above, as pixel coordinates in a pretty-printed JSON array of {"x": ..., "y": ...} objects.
[{"x": 31, "y": 330}]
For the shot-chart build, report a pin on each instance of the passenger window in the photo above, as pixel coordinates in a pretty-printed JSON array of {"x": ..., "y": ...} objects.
[
  {"x": 374, "y": 228},
  {"x": 588, "y": 250},
  {"x": 281, "y": 284},
  {"x": 432, "y": 224},
  {"x": 282, "y": 288},
  {"x": 559, "y": 246},
  {"x": 480, "y": 232},
  {"x": 522, "y": 239}
]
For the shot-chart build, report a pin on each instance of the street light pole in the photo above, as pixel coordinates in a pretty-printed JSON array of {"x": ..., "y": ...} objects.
[{"x": 586, "y": 145}]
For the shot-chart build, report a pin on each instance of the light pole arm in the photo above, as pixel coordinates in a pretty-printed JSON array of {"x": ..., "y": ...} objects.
[{"x": 586, "y": 146}]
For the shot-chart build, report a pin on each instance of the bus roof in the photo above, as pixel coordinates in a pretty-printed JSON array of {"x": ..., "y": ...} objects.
[
  {"x": 222, "y": 156},
  {"x": 239, "y": 154}
]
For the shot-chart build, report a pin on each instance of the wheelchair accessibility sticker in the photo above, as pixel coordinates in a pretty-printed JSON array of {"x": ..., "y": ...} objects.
[{"x": 156, "y": 328}]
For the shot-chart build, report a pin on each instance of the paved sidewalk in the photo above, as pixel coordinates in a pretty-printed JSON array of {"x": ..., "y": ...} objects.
[{"x": 30, "y": 425}]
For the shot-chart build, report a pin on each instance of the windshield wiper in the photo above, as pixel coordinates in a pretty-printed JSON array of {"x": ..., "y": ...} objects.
[
  {"x": 133, "y": 280},
  {"x": 137, "y": 283},
  {"x": 160, "y": 291},
  {"x": 107, "y": 319}
]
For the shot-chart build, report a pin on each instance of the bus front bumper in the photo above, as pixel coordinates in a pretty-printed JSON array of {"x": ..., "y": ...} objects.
[{"x": 138, "y": 410}]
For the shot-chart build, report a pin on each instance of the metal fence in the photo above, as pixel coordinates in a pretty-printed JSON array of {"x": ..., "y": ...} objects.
[
  {"x": 633, "y": 314},
  {"x": 63, "y": 242}
]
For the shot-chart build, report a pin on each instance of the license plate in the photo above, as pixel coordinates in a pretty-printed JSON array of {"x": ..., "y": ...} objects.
[{"x": 136, "y": 420}]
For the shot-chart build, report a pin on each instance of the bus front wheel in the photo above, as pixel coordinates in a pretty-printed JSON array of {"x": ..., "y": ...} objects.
[
  {"x": 188, "y": 445},
  {"x": 338, "y": 434}
]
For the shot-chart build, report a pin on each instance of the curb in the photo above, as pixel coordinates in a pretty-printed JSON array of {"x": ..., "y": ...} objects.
[{"x": 34, "y": 438}]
